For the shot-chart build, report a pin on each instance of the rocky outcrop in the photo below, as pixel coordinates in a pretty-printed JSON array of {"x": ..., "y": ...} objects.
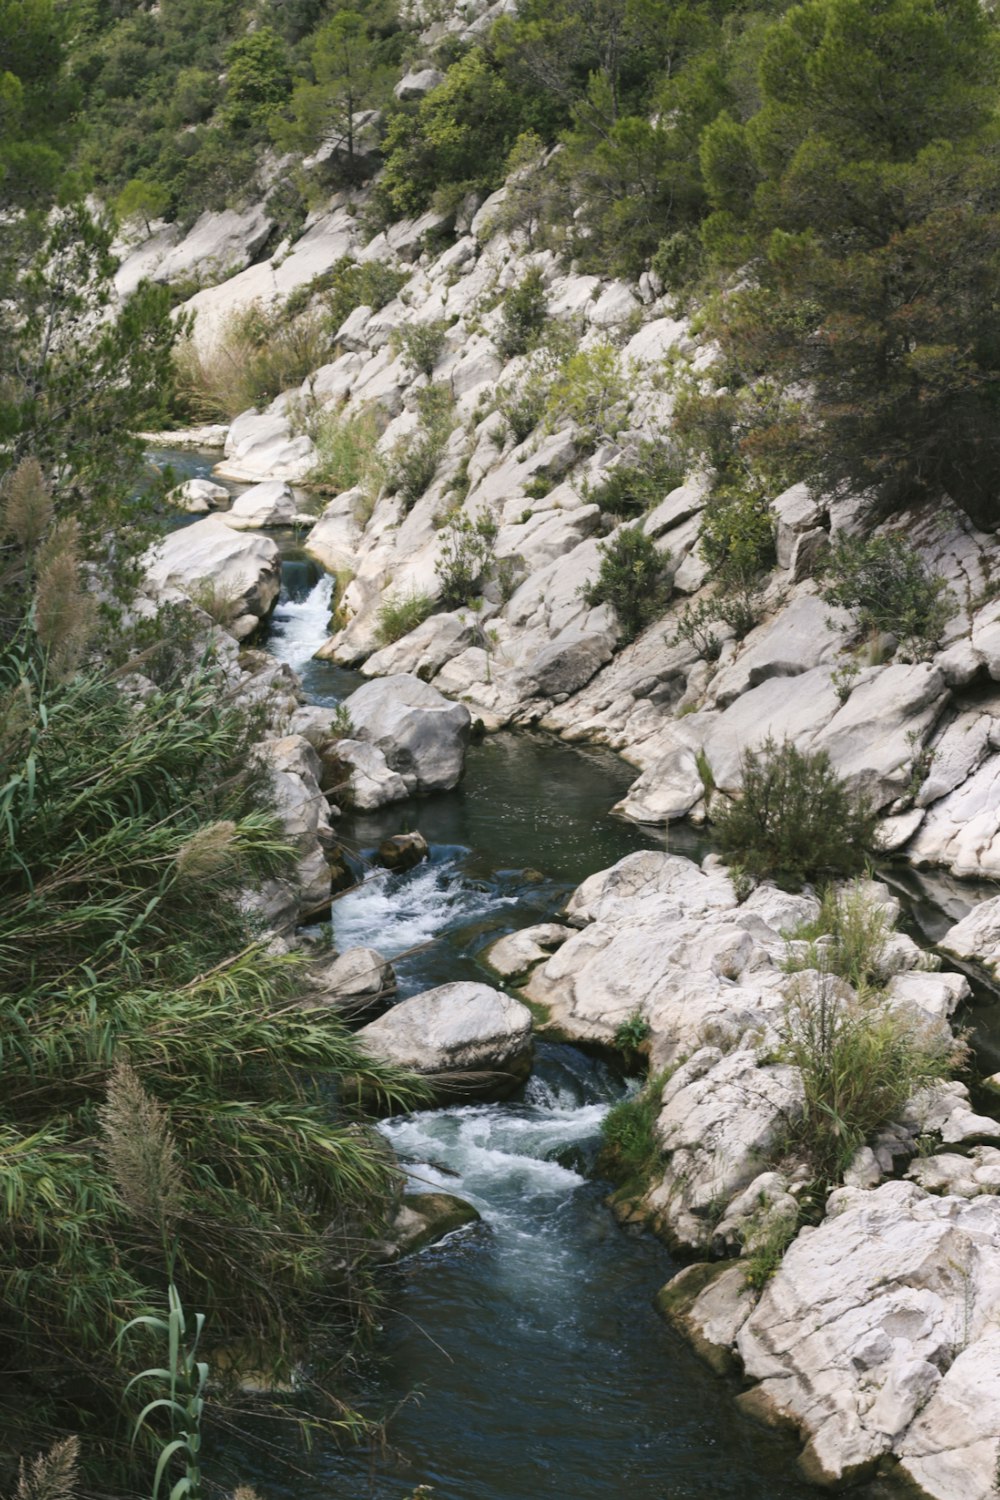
[
  {"x": 216, "y": 567},
  {"x": 421, "y": 734},
  {"x": 266, "y": 506},
  {"x": 467, "y": 1040}
]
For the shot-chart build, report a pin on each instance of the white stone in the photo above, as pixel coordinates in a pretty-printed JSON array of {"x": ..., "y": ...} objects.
[
  {"x": 242, "y": 569},
  {"x": 461, "y": 1028},
  {"x": 421, "y": 734}
]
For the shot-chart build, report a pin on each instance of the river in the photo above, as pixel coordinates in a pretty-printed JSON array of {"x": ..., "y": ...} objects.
[{"x": 521, "y": 1357}]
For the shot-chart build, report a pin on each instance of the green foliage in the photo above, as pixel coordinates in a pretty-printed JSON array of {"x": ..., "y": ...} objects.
[
  {"x": 414, "y": 461},
  {"x": 630, "y": 579},
  {"x": 400, "y": 613},
  {"x": 860, "y": 1062},
  {"x": 143, "y": 200},
  {"x": 79, "y": 378},
  {"x": 457, "y": 138},
  {"x": 765, "y": 1239},
  {"x": 590, "y": 390},
  {"x": 525, "y": 309},
  {"x": 632, "y": 1032},
  {"x": 869, "y": 163},
  {"x": 795, "y": 819},
  {"x": 258, "y": 77},
  {"x": 346, "y": 453},
  {"x": 258, "y": 353},
  {"x": 352, "y": 69},
  {"x": 884, "y": 580},
  {"x": 132, "y": 826},
  {"x": 184, "y": 1379},
  {"x": 420, "y": 345},
  {"x": 350, "y": 284},
  {"x": 632, "y": 489},
  {"x": 522, "y": 401},
  {"x": 737, "y": 534},
  {"x": 848, "y": 938},
  {"x": 694, "y": 624},
  {"x": 631, "y": 1152},
  {"x": 465, "y": 559}
]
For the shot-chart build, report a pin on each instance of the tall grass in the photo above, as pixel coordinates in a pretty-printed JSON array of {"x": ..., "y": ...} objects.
[
  {"x": 855, "y": 931},
  {"x": 347, "y": 456},
  {"x": 161, "y": 1081},
  {"x": 860, "y": 1062},
  {"x": 257, "y": 354}
]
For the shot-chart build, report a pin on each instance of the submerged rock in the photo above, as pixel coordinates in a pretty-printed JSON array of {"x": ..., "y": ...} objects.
[{"x": 423, "y": 1219}]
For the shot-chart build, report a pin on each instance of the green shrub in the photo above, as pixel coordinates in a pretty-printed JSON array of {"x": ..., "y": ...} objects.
[
  {"x": 349, "y": 284},
  {"x": 860, "y": 1062},
  {"x": 400, "y": 613},
  {"x": 737, "y": 534},
  {"x": 630, "y": 579},
  {"x": 766, "y": 1237},
  {"x": 694, "y": 624},
  {"x": 632, "y": 1032},
  {"x": 346, "y": 452},
  {"x": 420, "y": 345},
  {"x": 414, "y": 460},
  {"x": 795, "y": 819},
  {"x": 590, "y": 390},
  {"x": 884, "y": 580},
  {"x": 525, "y": 309},
  {"x": 631, "y": 489},
  {"x": 466, "y": 559}
]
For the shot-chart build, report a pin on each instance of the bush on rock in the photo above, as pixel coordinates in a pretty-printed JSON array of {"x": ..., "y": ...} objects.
[{"x": 796, "y": 819}]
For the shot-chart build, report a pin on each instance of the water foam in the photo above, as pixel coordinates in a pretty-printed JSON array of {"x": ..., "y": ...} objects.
[
  {"x": 299, "y": 627},
  {"x": 394, "y": 914}
]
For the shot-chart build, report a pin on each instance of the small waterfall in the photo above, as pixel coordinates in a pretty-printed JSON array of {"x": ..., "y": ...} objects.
[{"x": 299, "y": 627}]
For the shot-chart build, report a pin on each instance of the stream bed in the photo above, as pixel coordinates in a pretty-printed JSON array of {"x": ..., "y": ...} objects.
[{"x": 522, "y": 1356}]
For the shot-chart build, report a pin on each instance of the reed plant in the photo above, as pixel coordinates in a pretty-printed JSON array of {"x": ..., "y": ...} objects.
[{"x": 163, "y": 1084}]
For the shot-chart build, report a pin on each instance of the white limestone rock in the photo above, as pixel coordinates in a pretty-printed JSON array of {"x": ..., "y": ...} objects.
[
  {"x": 465, "y": 1038},
  {"x": 516, "y": 954},
  {"x": 422, "y": 735},
  {"x": 371, "y": 781},
  {"x": 426, "y": 648},
  {"x": 976, "y": 937},
  {"x": 867, "y": 1327},
  {"x": 198, "y": 496},
  {"x": 263, "y": 507},
  {"x": 244, "y": 570}
]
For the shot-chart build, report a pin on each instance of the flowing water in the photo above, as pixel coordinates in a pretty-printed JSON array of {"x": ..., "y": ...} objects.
[{"x": 521, "y": 1357}]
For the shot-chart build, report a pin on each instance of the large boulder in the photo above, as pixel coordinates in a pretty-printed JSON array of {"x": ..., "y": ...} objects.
[
  {"x": 208, "y": 557},
  {"x": 877, "y": 1336},
  {"x": 266, "y": 505},
  {"x": 467, "y": 1040},
  {"x": 198, "y": 496},
  {"x": 358, "y": 982},
  {"x": 421, "y": 733}
]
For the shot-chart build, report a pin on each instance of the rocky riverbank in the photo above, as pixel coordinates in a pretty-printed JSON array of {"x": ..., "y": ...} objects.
[{"x": 876, "y": 1336}]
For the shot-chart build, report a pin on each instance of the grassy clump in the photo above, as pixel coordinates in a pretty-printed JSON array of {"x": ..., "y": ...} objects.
[
  {"x": 855, "y": 930},
  {"x": 591, "y": 390},
  {"x": 346, "y": 454},
  {"x": 860, "y": 1062},
  {"x": 631, "y": 1152},
  {"x": 795, "y": 820},
  {"x": 400, "y": 613},
  {"x": 884, "y": 581},
  {"x": 414, "y": 461},
  {"x": 630, "y": 579},
  {"x": 258, "y": 353}
]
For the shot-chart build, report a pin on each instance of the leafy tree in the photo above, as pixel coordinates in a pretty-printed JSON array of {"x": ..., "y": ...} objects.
[
  {"x": 350, "y": 76},
  {"x": 141, "y": 199},
  {"x": 459, "y": 137},
  {"x": 258, "y": 80},
  {"x": 867, "y": 186},
  {"x": 35, "y": 101}
]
